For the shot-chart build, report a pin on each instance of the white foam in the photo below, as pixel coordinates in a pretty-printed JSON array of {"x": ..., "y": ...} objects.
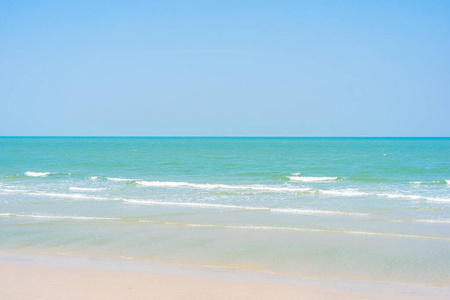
[
  {"x": 447, "y": 181},
  {"x": 208, "y": 186},
  {"x": 311, "y": 179},
  {"x": 12, "y": 191},
  {"x": 315, "y": 212},
  {"x": 275, "y": 210},
  {"x": 94, "y": 177},
  {"x": 69, "y": 196},
  {"x": 120, "y": 179},
  {"x": 37, "y": 174},
  {"x": 401, "y": 196},
  {"x": 416, "y": 182},
  {"x": 47, "y": 217},
  {"x": 349, "y": 193},
  {"x": 193, "y": 204},
  {"x": 415, "y": 197},
  {"x": 435, "y": 199},
  {"x": 434, "y": 221},
  {"x": 80, "y": 189}
]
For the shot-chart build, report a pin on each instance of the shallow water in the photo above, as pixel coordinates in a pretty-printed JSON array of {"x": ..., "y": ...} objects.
[{"x": 367, "y": 208}]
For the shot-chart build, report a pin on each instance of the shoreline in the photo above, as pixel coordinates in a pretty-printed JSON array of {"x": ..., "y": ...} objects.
[{"x": 26, "y": 275}]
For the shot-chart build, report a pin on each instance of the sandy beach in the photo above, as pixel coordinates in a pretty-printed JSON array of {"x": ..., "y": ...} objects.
[
  {"x": 37, "y": 276},
  {"x": 224, "y": 150}
]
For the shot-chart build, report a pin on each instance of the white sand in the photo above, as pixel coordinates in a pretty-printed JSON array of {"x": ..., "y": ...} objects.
[{"x": 53, "y": 277}]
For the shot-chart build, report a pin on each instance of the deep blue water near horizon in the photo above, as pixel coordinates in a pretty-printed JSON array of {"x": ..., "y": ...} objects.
[{"x": 374, "y": 208}]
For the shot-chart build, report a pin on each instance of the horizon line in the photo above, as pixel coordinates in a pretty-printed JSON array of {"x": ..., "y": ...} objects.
[{"x": 205, "y": 136}]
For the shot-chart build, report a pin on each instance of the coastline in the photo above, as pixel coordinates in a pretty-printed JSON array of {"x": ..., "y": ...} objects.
[{"x": 25, "y": 275}]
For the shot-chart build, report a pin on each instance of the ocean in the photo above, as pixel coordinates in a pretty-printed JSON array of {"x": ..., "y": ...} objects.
[{"x": 369, "y": 208}]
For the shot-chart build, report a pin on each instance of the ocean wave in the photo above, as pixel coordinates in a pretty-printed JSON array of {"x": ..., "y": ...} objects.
[
  {"x": 315, "y": 212},
  {"x": 311, "y": 179},
  {"x": 436, "y": 199},
  {"x": 121, "y": 179},
  {"x": 94, "y": 177},
  {"x": 434, "y": 182},
  {"x": 50, "y": 217},
  {"x": 37, "y": 174},
  {"x": 415, "y": 197},
  {"x": 401, "y": 196},
  {"x": 69, "y": 196},
  {"x": 208, "y": 186},
  {"x": 81, "y": 189}
]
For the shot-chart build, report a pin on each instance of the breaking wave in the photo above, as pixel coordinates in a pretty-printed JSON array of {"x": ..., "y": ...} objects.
[
  {"x": 37, "y": 174},
  {"x": 208, "y": 186},
  {"x": 121, "y": 179}
]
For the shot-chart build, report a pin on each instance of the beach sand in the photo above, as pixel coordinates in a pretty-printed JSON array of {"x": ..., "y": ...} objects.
[{"x": 25, "y": 276}]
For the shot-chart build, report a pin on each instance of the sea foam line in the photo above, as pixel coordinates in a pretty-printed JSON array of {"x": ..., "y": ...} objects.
[
  {"x": 415, "y": 197},
  {"x": 311, "y": 179},
  {"x": 193, "y": 204},
  {"x": 81, "y": 189},
  {"x": 70, "y": 196},
  {"x": 209, "y": 186},
  {"x": 316, "y": 212},
  {"x": 240, "y": 227},
  {"x": 323, "y": 231},
  {"x": 12, "y": 191},
  {"x": 275, "y": 210},
  {"x": 434, "y": 221},
  {"x": 267, "y": 188},
  {"x": 49, "y": 217},
  {"x": 299, "y": 229},
  {"x": 55, "y": 195},
  {"x": 260, "y": 188},
  {"x": 348, "y": 193}
]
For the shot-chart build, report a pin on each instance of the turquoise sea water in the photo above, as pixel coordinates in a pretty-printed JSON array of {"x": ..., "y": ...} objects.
[{"x": 335, "y": 207}]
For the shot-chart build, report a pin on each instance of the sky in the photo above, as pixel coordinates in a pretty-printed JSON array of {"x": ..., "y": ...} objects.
[{"x": 225, "y": 68}]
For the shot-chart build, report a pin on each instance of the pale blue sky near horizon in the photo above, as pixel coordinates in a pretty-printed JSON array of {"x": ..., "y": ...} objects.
[{"x": 225, "y": 68}]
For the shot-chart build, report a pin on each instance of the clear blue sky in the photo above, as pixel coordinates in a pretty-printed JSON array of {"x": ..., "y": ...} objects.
[{"x": 225, "y": 68}]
